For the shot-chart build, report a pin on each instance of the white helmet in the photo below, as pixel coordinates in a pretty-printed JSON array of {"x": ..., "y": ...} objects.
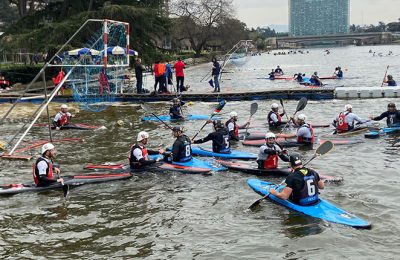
[
  {"x": 348, "y": 107},
  {"x": 64, "y": 106},
  {"x": 274, "y": 105},
  {"x": 233, "y": 114},
  {"x": 142, "y": 135},
  {"x": 302, "y": 117},
  {"x": 47, "y": 147},
  {"x": 269, "y": 135}
]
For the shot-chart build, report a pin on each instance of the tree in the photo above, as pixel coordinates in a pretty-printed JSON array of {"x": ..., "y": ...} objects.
[{"x": 198, "y": 19}]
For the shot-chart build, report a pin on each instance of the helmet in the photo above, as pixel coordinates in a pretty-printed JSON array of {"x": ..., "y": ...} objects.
[
  {"x": 64, "y": 106},
  {"x": 392, "y": 105},
  {"x": 269, "y": 135},
  {"x": 274, "y": 105},
  {"x": 348, "y": 107},
  {"x": 295, "y": 160},
  {"x": 218, "y": 124},
  {"x": 177, "y": 129},
  {"x": 389, "y": 76},
  {"x": 315, "y": 73},
  {"x": 233, "y": 114},
  {"x": 47, "y": 147},
  {"x": 142, "y": 135},
  {"x": 302, "y": 117}
]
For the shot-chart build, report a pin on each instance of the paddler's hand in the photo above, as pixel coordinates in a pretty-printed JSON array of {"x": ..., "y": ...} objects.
[
  {"x": 60, "y": 180},
  {"x": 57, "y": 128},
  {"x": 370, "y": 117},
  {"x": 273, "y": 192},
  {"x": 56, "y": 170},
  {"x": 209, "y": 121},
  {"x": 161, "y": 151}
]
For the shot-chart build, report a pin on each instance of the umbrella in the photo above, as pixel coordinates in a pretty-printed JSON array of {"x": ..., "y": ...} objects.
[
  {"x": 118, "y": 50},
  {"x": 83, "y": 51}
]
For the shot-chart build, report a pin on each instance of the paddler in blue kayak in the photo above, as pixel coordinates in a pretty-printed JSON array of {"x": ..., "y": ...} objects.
[
  {"x": 181, "y": 149},
  {"x": 298, "y": 77},
  {"x": 315, "y": 80},
  {"x": 305, "y": 132},
  {"x": 302, "y": 185},
  {"x": 338, "y": 72},
  {"x": 272, "y": 75},
  {"x": 139, "y": 154},
  {"x": 62, "y": 118},
  {"x": 274, "y": 117},
  {"x": 175, "y": 111},
  {"x": 345, "y": 121},
  {"x": 219, "y": 138},
  {"x": 268, "y": 154},
  {"x": 278, "y": 71},
  {"x": 44, "y": 168},
  {"x": 392, "y": 116},
  {"x": 233, "y": 127}
]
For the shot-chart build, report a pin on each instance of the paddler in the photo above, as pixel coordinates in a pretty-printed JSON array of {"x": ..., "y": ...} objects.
[
  {"x": 233, "y": 127},
  {"x": 268, "y": 154},
  {"x": 278, "y": 70},
  {"x": 219, "y": 138},
  {"x": 43, "y": 169},
  {"x": 139, "y": 154},
  {"x": 175, "y": 110},
  {"x": 315, "y": 80},
  {"x": 390, "y": 81},
  {"x": 338, "y": 72},
  {"x": 181, "y": 149},
  {"x": 301, "y": 186},
  {"x": 345, "y": 121},
  {"x": 274, "y": 117},
  {"x": 298, "y": 77},
  {"x": 392, "y": 116},
  {"x": 305, "y": 132},
  {"x": 62, "y": 118},
  {"x": 272, "y": 75}
]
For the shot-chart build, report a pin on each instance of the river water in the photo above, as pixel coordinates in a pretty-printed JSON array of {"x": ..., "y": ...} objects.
[{"x": 176, "y": 216}]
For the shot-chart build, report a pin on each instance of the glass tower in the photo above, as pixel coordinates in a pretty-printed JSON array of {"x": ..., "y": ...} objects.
[{"x": 318, "y": 17}]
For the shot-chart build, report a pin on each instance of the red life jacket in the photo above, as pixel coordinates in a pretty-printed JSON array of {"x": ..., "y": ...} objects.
[
  {"x": 35, "y": 171},
  {"x": 145, "y": 153},
  {"x": 301, "y": 139},
  {"x": 63, "y": 120},
  {"x": 271, "y": 162},
  {"x": 235, "y": 127},
  {"x": 342, "y": 125},
  {"x": 271, "y": 122}
]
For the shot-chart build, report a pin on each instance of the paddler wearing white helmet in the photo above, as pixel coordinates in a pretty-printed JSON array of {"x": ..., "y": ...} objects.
[
  {"x": 62, "y": 118},
  {"x": 274, "y": 118},
  {"x": 269, "y": 152},
  {"x": 43, "y": 169},
  {"x": 139, "y": 154},
  {"x": 305, "y": 132},
  {"x": 233, "y": 127},
  {"x": 345, "y": 121}
]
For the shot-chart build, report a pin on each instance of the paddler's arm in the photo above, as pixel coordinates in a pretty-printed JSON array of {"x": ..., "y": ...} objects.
[
  {"x": 203, "y": 140},
  {"x": 377, "y": 118},
  {"x": 283, "y": 194}
]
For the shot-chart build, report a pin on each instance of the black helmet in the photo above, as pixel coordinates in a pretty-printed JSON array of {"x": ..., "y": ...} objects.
[
  {"x": 295, "y": 160},
  {"x": 392, "y": 105},
  {"x": 177, "y": 129},
  {"x": 218, "y": 124}
]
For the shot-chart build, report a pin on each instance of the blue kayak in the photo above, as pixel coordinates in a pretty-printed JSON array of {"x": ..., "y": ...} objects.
[
  {"x": 197, "y": 150},
  {"x": 194, "y": 163},
  {"x": 386, "y": 130},
  {"x": 187, "y": 117},
  {"x": 322, "y": 209}
]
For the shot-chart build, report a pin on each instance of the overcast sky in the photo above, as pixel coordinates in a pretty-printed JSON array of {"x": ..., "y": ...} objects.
[{"x": 265, "y": 12}]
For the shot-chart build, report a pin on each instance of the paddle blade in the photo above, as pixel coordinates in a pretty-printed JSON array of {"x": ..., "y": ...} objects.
[
  {"x": 281, "y": 101},
  {"x": 324, "y": 148},
  {"x": 257, "y": 202},
  {"x": 66, "y": 191},
  {"x": 302, "y": 104},
  {"x": 253, "y": 108},
  {"x": 144, "y": 107},
  {"x": 220, "y": 106}
]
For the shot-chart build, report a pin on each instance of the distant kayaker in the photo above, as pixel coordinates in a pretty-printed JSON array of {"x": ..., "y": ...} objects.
[
  {"x": 302, "y": 185},
  {"x": 233, "y": 127},
  {"x": 274, "y": 117},
  {"x": 278, "y": 70},
  {"x": 338, "y": 72},
  {"x": 298, "y": 77},
  {"x": 390, "y": 81},
  {"x": 62, "y": 118},
  {"x": 305, "y": 132},
  {"x": 345, "y": 121},
  {"x": 216, "y": 70},
  {"x": 175, "y": 110},
  {"x": 43, "y": 169},
  {"x": 272, "y": 75},
  {"x": 219, "y": 138},
  {"x": 181, "y": 149},
  {"x": 315, "y": 80},
  {"x": 392, "y": 116},
  {"x": 268, "y": 154},
  {"x": 139, "y": 154}
]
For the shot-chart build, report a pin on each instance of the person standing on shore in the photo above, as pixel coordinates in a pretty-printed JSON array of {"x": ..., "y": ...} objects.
[
  {"x": 216, "y": 69},
  {"x": 180, "y": 76},
  {"x": 139, "y": 68}
]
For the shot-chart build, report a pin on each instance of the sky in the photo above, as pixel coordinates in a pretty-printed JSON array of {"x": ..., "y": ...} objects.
[{"x": 266, "y": 12}]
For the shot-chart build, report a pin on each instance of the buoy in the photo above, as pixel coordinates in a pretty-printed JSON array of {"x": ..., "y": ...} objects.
[
  {"x": 120, "y": 122},
  {"x": 190, "y": 103}
]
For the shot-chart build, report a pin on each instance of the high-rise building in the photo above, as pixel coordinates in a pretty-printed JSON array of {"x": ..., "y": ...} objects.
[{"x": 318, "y": 17}]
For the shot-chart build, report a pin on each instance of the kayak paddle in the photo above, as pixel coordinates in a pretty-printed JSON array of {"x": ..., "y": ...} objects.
[
  {"x": 384, "y": 77},
  {"x": 65, "y": 188},
  {"x": 253, "y": 110},
  {"x": 218, "y": 109},
  {"x": 283, "y": 107},
  {"x": 321, "y": 150},
  {"x": 300, "y": 106},
  {"x": 146, "y": 109}
]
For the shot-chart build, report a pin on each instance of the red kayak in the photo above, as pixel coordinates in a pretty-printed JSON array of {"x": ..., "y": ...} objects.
[
  {"x": 287, "y": 143},
  {"x": 72, "y": 126}
]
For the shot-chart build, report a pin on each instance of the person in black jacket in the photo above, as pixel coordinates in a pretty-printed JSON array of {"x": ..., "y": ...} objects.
[
  {"x": 175, "y": 111},
  {"x": 139, "y": 68},
  {"x": 216, "y": 70},
  {"x": 181, "y": 149},
  {"x": 219, "y": 138},
  {"x": 392, "y": 116}
]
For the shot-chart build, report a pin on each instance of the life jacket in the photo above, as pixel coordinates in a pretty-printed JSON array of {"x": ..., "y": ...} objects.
[
  {"x": 309, "y": 193},
  {"x": 185, "y": 153},
  {"x": 393, "y": 118},
  {"x": 64, "y": 120},
  {"x": 221, "y": 143},
  {"x": 161, "y": 68},
  {"x": 267, "y": 161},
  {"x": 35, "y": 170},
  {"x": 301, "y": 139},
  {"x": 271, "y": 122},
  {"x": 235, "y": 127},
  {"x": 133, "y": 161},
  {"x": 342, "y": 125}
]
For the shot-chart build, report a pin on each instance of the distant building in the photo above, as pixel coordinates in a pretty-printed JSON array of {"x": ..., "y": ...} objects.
[{"x": 318, "y": 17}]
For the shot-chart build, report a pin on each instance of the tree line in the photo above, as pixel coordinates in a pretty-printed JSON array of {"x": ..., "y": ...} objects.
[{"x": 380, "y": 27}]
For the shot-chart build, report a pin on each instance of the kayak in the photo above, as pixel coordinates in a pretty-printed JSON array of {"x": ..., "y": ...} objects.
[
  {"x": 291, "y": 125},
  {"x": 197, "y": 150},
  {"x": 322, "y": 209},
  {"x": 72, "y": 127},
  {"x": 287, "y": 143},
  {"x": 354, "y": 131},
  {"x": 187, "y": 117},
  {"x": 76, "y": 180},
  {"x": 278, "y": 172},
  {"x": 385, "y": 130}
]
